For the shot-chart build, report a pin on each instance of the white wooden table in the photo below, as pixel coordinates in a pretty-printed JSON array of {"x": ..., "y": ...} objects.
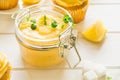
[{"x": 107, "y": 53}]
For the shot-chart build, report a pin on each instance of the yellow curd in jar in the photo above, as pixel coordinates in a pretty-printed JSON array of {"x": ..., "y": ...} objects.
[{"x": 42, "y": 30}]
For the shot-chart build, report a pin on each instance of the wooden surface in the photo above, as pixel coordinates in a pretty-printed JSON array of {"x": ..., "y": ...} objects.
[{"x": 107, "y": 52}]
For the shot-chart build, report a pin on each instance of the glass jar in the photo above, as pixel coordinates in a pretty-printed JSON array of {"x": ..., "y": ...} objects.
[{"x": 44, "y": 52}]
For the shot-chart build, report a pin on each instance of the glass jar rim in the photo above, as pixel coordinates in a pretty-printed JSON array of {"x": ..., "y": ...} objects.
[{"x": 17, "y": 31}]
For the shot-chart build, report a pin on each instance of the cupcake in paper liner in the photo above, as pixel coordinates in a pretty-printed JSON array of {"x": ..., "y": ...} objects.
[
  {"x": 7, "y": 4},
  {"x": 6, "y": 76},
  {"x": 5, "y": 68},
  {"x": 77, "y": 8}
]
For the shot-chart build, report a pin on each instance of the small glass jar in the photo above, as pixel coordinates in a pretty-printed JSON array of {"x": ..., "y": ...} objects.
[{"x": 43, "y": 52}]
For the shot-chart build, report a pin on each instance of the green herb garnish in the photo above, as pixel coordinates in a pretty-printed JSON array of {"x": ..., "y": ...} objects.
[
  {"x": 45, "y": 23},
  {"x": 62, "y": 26},
  {"x": 109, "y": 78},
  {"x": 73, "y": 24},
  {"x": 67, "y": 19},
  {"x": 70, "y": 19},
  {"x": 54, "y": 24},
  {"x": 33, "y": 26},
  {"x": 33, "y": 20},
  {"x": 28, "y": 18}
]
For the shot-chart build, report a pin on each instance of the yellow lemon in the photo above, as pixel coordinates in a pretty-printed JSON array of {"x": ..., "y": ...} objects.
[
  {"x": 95, "y": 33},
  {"x": 31, "y": 1}
]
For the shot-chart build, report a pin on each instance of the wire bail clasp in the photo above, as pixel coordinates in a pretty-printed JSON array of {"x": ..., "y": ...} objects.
[{"x": 67, "y": 47}]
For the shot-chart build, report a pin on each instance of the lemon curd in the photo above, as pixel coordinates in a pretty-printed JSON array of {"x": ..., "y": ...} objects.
[
  {"x": 44, "y": 27},
  {"x": 40, "y": 37}
]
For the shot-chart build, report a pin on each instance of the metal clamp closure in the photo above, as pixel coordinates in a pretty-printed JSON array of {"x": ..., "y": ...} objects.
[{"x": 67, "y": 43}]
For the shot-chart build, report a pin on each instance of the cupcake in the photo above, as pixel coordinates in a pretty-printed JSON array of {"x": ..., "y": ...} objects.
[
  {"x": 7, "y": 4},
  {"x": 4, "y": 68},
  {"x": 77, "y": 8}
]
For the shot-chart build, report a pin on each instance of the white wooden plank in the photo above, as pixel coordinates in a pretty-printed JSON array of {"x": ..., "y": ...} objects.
[
  {"x": 108, "y": 14},
  {"x": 114, "y": 73},
  {"x": 105, "y": 1},
  {"x": 9, "y": 46},
  {"x": 107, "y": 52},
  {"x": 57, "y": 74},
  {"x": 47, "y": 75},
  {"x": 6, "y": 24}
]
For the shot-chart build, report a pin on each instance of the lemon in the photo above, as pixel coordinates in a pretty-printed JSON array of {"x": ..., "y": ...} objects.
[
  {"x": 95, "y": 33},
  {"x": 31, "y": 1}
]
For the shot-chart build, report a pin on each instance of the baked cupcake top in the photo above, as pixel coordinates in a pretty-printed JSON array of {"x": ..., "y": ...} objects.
[
  {"x": 8, "y": 4},
  {"x": 69, "y": 3},
  {"x": 4, "y": 64}
]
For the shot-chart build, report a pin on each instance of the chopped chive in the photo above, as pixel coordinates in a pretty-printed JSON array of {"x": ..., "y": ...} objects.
[
  {"x": 28, "y": 18},
  {"x": 73, "y": 24},
  {"x": 54, "y": 24},
  {"x": 70, "y": 19},
  {"x": 45, "y": 23},
  {"x": 33, "y": 20},
  {"x": 62, "y": 26},
  {"x": 33, "y": 26},
  {"x": 67, "y": 19}
]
